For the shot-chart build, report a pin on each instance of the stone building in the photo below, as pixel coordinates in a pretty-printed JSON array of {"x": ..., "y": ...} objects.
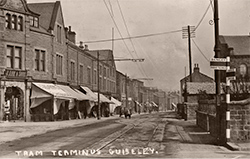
[
  {"x": 41, "y": 65},
  {"x": 197, "y": 78}
]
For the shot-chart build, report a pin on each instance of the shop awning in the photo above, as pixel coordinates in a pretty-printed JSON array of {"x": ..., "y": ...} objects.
[
  {"x": 138, "y": 103},
  {"x": 154, "y": 104},
  {"x": 42, "y": 92},
  {"x": 90, "y": 94},
  {"x": 104, "y": 99},
  {"x": 53, "y": 90},
  {"x": 73, "y": 93},
  {"x": 116, "y": 104}
]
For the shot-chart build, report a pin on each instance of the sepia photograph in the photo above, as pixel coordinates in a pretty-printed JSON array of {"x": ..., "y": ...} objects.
[{"x": 125, "y": 79}]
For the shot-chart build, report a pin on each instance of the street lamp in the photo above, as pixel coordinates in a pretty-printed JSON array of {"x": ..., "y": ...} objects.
[{"x": 98, "y": 79}]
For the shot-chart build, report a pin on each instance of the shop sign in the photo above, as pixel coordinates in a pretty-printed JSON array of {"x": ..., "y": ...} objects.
[{"x": 15, "y": 73}]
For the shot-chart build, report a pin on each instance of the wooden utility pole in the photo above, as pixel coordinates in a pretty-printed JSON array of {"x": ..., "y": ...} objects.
[
  {"x": 189, "y": 32},
  {"x": 126, "y": 90},
  {"x": 98, "y": 87}
]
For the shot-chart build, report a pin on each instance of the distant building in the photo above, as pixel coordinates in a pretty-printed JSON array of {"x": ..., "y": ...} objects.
[
  {"x": 238, "y": 48},
  {"x": 197, "y": 78}
]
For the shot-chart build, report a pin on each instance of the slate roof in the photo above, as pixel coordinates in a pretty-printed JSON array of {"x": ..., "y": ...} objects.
[
  {"x": 240, "y": 44},
  {"x": 195, "y": 87},
  {"x": 48, "y": 13}
]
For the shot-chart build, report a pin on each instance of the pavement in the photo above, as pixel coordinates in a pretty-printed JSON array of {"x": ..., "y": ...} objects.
[
  {"x": 14, "y": 130},
  {"x": 188, "y": 130}
]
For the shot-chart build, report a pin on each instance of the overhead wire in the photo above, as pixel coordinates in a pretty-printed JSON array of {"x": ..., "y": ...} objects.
[
  {"x": 126, "y": 26},
  {"x": 134, "y": 37},
  {"x": 210, "y": 5},
  {"x": 117, "y": 28},
  {"x": 200, "y": 50}
]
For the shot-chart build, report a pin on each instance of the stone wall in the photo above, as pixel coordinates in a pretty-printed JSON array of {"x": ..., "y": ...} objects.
[
  {"x": 191, "y": 110},
  {"x": 240, "y": 120}
]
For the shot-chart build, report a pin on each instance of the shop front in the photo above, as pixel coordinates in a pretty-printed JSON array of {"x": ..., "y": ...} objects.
[
  {"x": 51, "y": 102},
  {"x": 14, "y": 97}
]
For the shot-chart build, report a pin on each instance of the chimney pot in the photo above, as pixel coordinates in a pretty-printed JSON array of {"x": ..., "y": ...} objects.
[
  {"x": 81, "y": 45},
  {"x": 86, "y": 47}
]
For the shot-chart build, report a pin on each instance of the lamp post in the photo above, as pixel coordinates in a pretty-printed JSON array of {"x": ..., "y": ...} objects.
[{"x": 98, "y": 78}]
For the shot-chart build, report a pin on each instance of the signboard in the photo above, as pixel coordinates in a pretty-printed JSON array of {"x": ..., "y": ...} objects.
[
  {"x": 219, "y": 63},
  {"x": 15, "y": 73},
  {"x": 230, "y": 74}
]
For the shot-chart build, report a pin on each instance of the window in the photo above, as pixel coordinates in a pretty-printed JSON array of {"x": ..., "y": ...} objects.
[
  {"x": 100, "y": 82},
  {"x": 89, "y": 75},
  {"x": 243, "y": 70},
  {"x": 104, "y": 71},
  {"x": 42, "y": 53},
  {"x": 72, "y": 70},
  {"x": 104, "y": 83},
  {"x": 14, "y": 57},
  {"x": 59, "y": 33},
  {"x": 14, "y": 22},
  {"x": 34, "y": 22},
  {"x": 59, "y": 64},
  {"x": 20, "y": 23},
  {"x": 81, "y": 73},
  {"x": 8, "y": 21},
  {"x": 95, "y": 77},
  {"x": 39, "y": 60},
  {"x": 100, "y": 70}
]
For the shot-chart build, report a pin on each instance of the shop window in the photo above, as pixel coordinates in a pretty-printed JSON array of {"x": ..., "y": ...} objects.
[
  {"x": 14, "y": 57},
  {"x": 59, "y": 64},
  {"x": 39, "y": 60}
]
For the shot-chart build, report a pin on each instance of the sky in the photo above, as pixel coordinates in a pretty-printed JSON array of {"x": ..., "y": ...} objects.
[{"x": 166, "y": 55}]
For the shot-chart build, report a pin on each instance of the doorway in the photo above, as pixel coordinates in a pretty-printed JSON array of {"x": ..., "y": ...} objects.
[{"x": 14, "y": 99}]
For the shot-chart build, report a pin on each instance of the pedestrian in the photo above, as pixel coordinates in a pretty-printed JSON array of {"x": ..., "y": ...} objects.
[{"x": 7, "y": 110}]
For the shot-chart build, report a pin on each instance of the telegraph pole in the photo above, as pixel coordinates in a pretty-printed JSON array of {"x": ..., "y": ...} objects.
[
  {"x": 188, "y": 32},
  {"x": 98, "y": 87},
  {"x": 126, "y": 90},
  {"x": 189, "y": 51}
]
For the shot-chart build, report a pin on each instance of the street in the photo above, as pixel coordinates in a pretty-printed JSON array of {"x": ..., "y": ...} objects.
[{"x": 156, "y": 135}]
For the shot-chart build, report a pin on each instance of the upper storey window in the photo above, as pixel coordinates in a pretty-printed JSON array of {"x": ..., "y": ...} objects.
[
  {"x": 13, "y": 22},
  {"x": 34, "y": 22}
]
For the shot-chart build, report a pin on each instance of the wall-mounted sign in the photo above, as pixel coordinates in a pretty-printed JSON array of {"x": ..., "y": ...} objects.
[{"x": 15, "y": 73}]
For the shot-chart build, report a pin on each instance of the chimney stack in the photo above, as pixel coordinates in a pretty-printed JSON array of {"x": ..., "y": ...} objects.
[
  {"x": 71, "y": 35},
  {"x": 196, "y": 68}
]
